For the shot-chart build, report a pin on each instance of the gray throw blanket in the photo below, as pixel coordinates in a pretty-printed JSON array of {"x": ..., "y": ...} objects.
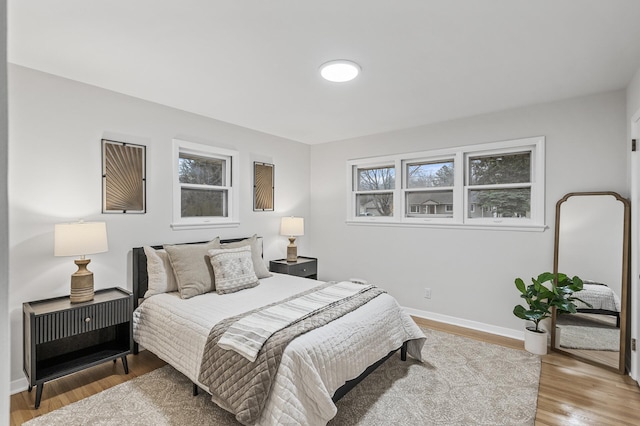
[{"x": 242, "y": 387}]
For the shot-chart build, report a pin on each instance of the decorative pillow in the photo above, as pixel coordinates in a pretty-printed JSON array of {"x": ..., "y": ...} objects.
[
  {"x": 233, "y": 269},
  {"x": 191, "y": 266},
  {"x": 256, "y": 253},
  {"x": 159, "y": 272}
]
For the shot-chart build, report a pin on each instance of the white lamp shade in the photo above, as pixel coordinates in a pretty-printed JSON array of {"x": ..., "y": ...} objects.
[
  {"x": 80, "y": 238},
  {"x": 292, "y": 226}
]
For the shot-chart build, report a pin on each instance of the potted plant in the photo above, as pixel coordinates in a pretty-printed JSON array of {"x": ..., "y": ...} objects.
[{"x": 541, "y": 296}]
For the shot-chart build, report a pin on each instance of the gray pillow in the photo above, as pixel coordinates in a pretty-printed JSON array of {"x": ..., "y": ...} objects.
[
  {"x": 256, "y": 253},
  {"x": 192, "y": 268},
  {"x": 233, "y": 269}
]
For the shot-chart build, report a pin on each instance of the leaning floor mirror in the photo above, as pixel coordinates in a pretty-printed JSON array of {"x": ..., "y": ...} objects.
[{"x": 592, "y": 242}]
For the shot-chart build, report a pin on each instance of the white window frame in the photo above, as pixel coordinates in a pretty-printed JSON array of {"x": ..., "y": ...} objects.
[
  {"x": 434, "y": 158},
  {"x": 232, "y": 167},
  {"x": 460, "y": 156},
  {"x": 354, "y": 192}
]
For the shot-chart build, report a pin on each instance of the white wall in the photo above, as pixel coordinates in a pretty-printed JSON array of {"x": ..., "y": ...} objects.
[
  {"x": 470, "y": 272},
  {"x": 4, "y": 229},
  {"x": 55, "y": 129},
  {"x": 633, "y": 94}
]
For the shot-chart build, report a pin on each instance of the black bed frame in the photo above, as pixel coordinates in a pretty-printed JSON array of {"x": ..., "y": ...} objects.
[
  {"x": 602, "y": 312},
  {"x": 141, "y": 284}
]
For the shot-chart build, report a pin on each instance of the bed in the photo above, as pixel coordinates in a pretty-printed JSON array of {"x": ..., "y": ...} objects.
[
  {"x": 316, "y": 369},
  {"x": 603, "y": 300}
]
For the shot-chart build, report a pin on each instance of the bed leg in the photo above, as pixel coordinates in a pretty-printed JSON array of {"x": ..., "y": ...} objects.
[
  {"x": 403, "y": 351},
  {"x": 195, "y": 390}
]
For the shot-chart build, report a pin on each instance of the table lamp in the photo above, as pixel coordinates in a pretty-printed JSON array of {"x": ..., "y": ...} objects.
[
  {"x": 79, "y": 239},
  {"x": 292, "y": 227}
]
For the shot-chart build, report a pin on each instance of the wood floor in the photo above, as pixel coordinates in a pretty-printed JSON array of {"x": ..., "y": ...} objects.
[{"x": 570, "y": 393}]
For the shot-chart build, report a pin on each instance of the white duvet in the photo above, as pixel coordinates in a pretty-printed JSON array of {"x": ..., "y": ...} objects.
[
  {"x": 313, "y": 365},
  {"x": 599, "y": 296}
]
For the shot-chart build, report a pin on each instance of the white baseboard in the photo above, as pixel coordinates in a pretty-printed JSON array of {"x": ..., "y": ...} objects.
[
  {"x": 474, "y": 325},
  {"x": 19, "y": 385}
]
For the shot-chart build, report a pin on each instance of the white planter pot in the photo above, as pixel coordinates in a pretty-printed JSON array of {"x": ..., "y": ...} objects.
[{"x": 536, "y": 343}]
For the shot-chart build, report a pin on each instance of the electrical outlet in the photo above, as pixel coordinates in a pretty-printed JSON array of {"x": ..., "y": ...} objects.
[{"x": 427, "y": 293}]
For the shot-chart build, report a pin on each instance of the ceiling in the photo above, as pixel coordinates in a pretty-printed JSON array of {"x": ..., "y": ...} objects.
[{"x": 255, "y": 63}]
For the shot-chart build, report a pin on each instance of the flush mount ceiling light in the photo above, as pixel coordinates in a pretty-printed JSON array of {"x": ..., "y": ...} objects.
[{"x": 339, "y": 71}]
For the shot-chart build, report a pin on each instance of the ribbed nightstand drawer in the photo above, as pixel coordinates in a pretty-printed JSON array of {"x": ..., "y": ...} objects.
[
  {"x": 57, "y": 325},
  {"x": 304, "y": 269}
]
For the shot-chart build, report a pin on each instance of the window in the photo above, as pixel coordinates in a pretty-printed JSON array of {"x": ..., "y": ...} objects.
[
  {"x": 498, "y": 184},
  {"x": 501, "y": 183},
  {"x": 374, "y": 190},
  {"x": 204, "y": 179},
  {"x": 430, "y": 184}
]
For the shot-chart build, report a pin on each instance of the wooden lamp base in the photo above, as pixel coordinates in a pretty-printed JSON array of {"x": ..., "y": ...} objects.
[
  {"x": 82, "y": 282},
  {"x": 292, "y": 250}
]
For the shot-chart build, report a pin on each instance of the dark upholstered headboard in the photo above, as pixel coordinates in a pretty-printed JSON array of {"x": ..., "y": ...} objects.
[{"x": 140, "y": 278}]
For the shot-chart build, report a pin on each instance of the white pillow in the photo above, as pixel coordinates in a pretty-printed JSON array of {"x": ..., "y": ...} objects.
[
  {"x": 259, "y": 266},
  {"x": 159, "y": 272},
  {"x": 233, "y": 269}
]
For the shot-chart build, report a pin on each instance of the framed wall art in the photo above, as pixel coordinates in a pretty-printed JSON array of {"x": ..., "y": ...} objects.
[
  {"x": 124, "y": 177},
  {"x": 263, "y": 186}
]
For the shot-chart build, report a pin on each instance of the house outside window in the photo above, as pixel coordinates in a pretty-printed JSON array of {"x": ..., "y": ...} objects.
[
  {"x": 498, "y": 184},
  {"x": 429, "y": 183},
  {"x": 204, "y": 181}
]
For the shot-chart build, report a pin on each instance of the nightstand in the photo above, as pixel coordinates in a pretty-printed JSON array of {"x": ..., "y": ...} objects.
[
  {"x": 306, "y": 267},
  {"x": 60, "y": 338}
]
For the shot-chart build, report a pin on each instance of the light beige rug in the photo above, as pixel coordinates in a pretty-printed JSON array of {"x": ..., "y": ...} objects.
[
  {"x": 462, "y": 382},
  {"x": 589, "y": 331}
]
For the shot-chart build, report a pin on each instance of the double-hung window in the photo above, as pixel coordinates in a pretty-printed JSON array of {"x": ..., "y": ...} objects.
[
  {"x": 429, "y": 188},
  {"x": 373, "y": 189},
  {"x": 204, "y": 179},
  {"x": 498, "y": 184}
]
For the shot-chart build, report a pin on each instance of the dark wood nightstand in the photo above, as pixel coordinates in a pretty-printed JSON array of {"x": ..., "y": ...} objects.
[
  {"x": 306, "y": 267},
  {"x": 60, "y": 338}
]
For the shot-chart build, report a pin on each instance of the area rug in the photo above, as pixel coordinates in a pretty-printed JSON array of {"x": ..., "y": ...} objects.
[
  {"x": 461, "y": 382},
  {"x": 589, "y": 338},
  {"x": 590, "y": 332}
]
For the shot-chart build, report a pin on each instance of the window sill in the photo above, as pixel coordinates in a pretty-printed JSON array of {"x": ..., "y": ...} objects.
[
  {"x": 207, "y": 225},
  {"x": 475, "y": 226}
]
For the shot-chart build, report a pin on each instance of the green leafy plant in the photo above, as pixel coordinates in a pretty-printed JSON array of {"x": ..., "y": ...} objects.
[{"x": 541, "y": 298}]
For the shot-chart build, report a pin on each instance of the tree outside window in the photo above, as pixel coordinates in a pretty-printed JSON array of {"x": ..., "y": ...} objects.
[
  {"x": 374, "y": 184},
  {"x": 496, "y": 184},
  {"x": 204, "y": 182}
]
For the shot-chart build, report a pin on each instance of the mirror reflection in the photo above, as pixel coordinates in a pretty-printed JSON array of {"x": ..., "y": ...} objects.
[{"x": 592, "y": 243}]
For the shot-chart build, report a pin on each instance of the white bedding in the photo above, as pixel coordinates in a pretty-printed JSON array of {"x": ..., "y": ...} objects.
[
  {"x": 313, "y": 365},
  {"x": 599, "y": 296}
]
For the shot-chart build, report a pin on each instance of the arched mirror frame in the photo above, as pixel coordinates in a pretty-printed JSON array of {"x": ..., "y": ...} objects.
[{"x": 624, "y": 307}]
